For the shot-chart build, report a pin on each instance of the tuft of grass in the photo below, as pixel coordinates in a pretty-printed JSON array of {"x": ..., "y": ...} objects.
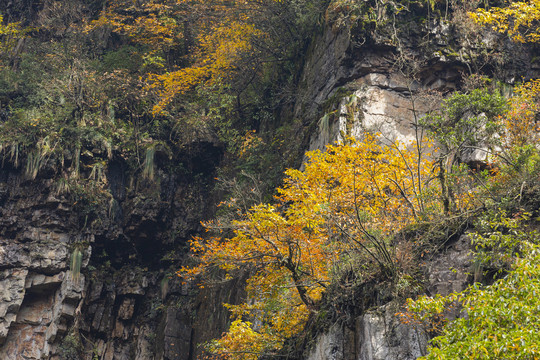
[
  {"x": 148, "y": 167},
  {"x": 76, "y": 263}
]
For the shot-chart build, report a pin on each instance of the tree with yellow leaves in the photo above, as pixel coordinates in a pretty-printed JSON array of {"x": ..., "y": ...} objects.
[
  {"x": 520, "y": 20},
  {"x": 347, "y": 202},
  {"x": 218, "y": 53},
  {"x": 151, "y": 23},
  {"x": 10, "y": 33},
  {"x": 522, "y": 120},
  {"x": 196, "y": 42}
]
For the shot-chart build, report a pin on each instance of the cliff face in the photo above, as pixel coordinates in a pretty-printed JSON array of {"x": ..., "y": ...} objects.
[
  {"x": 126, "y": 308},
  {"x": 39, "y": 296},
  {"x": 386, "y": 82},
  {"x": 378, "y": 334},
  {"x": 352, "y": 87},
  {"x": 127, "y": 303}
]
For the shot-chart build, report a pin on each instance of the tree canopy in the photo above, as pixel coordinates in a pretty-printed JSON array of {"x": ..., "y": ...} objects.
[
  {"x": 520, "y": 20},
  {"x": 346, "y": 203}
]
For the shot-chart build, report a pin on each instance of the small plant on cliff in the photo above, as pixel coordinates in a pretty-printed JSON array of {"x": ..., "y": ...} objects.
[
  {"x": 71, "y": 347},
  {"x": 76, "y": 262}
]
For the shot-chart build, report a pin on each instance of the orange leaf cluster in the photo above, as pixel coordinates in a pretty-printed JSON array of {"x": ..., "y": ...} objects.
[
  {"x": 152, "y": 23},
  {"x": 218, "y": 53},
  {"x": 519, "y": 20}
]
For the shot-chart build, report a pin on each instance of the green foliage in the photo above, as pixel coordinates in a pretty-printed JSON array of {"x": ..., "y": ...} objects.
[
  {"x": 467, "y": 120},
  {"x": 71, "y": 347},
  {"x": 127, "y": 57},
  {"x": 499, "y": 320},
  {"x": 342, "y": 13},
  {"x": 501, "y": 238},
  {"x": 516, "y": 186},
  {"x": 502, "y": 319}
]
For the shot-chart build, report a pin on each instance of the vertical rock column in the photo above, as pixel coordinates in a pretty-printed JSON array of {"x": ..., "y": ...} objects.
[{"x": 38, "y": 296}]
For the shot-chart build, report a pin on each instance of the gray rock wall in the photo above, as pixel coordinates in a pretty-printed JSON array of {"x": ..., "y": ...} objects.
[
  {"x": 378, "y": 334},
  {"x": 381, "y": 336},
  {"x": 380, "y": 103},
  {"x": 39, "y": 296},
  {"x": 127, "y": 303}
]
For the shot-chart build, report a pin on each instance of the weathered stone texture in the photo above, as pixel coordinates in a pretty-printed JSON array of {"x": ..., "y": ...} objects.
[
  {"x": 47, "y": 306},
  {"x": 12, "y": 292},
  {"x": 378, "y": 334},
  {"x": 381, "y": 336},
  {"x": 123, "y": 309}
]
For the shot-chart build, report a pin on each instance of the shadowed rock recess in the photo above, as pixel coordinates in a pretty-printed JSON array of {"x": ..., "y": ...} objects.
[{"x": 126, "y": 303}]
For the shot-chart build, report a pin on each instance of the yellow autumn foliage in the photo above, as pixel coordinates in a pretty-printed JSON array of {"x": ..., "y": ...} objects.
[
  {"x": 9, "y": 34},
  {"x": 349, "y": 199},
  {"x": 522, "y": 127},
  {"x": 152, "y": 23},
  {"x": 519, "y": 20},
  {"x": 219, "y": 50},
  {"x": 218, "y": 34}
]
